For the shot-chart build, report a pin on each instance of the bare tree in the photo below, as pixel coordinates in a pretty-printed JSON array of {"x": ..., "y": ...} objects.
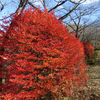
[{"x": 81, "y": 24}]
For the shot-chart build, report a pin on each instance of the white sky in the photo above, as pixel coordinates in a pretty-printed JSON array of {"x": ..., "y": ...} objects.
[{"x": 88, "y": 1}]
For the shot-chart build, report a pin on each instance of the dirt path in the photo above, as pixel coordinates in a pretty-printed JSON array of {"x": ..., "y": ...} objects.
[{"x": 94, "y": 77}]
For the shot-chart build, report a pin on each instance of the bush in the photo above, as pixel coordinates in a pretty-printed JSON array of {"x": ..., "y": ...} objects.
[
  {"x": 93, "y": 58},
  {"x": 44, "y": 58},
  {"x": 91, "y": 55}
]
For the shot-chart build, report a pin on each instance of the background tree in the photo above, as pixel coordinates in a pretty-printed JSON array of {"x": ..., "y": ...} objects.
[{"x": 79, "y": 23}]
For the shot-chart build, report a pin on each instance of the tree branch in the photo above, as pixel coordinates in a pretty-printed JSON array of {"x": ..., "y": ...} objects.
[
  {"x": 3, "y": 5},
  {"x": 66, "y": 15},
  {"x": 57, "y": 6}
]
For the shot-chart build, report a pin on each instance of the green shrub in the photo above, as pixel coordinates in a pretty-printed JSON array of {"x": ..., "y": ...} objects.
[{"x": 92, "y": 59}]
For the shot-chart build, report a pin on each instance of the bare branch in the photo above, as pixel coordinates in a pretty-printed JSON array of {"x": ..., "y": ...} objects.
[
  {"x": 66, "y": 15},
  {"x": 21, "y": 6},
  {"x": 3, "y": 5},
  {"x": 57, "y": 5},
  {"x": 71, "y": 27},
  {"x": 32, "y": 5},
  {"x": 7, "y": 16},
  {"x": 44, "y": 4}
]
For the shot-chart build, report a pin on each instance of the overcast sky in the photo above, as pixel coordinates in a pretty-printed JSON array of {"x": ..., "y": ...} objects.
[{"x": 88, "y": 1}]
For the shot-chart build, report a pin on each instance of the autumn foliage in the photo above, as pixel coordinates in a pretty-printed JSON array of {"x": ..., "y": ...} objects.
[
  {"x": 88, "y": 49},
  {"x": 90, "y": 54},
  {"x": 43, "y": 57},
  {"x": 1, "y": 60}
]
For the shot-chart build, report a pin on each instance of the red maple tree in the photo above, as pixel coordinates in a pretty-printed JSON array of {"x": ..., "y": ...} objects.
[
  {"x": 88, "y": 49},
  {"x": 43, "y": 57},
  {"x": 90, "y": 54},
  {"x": 1, "y": 58}
]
